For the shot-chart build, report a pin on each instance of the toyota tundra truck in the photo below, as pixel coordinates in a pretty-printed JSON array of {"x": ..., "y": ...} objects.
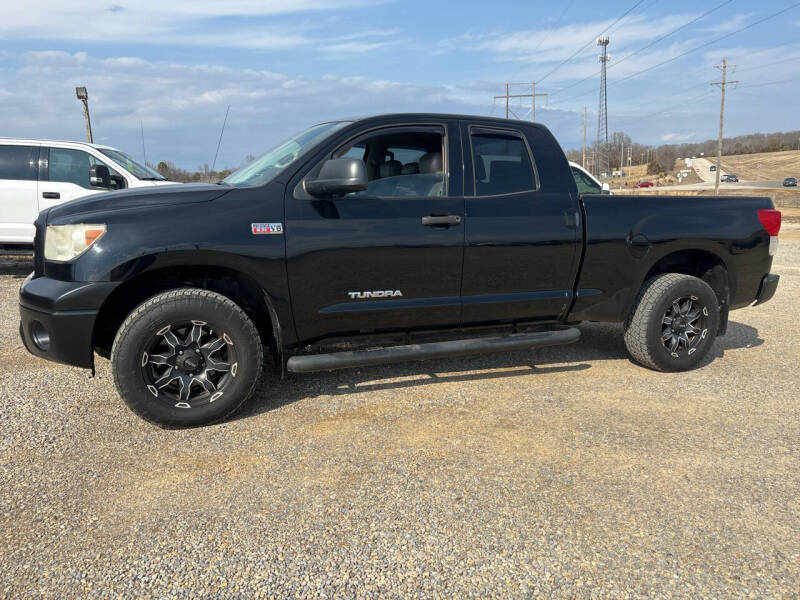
[{"x": 384, "y": 239}]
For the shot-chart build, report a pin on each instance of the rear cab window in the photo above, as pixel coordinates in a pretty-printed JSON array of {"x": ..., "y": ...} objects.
[{"x": 502, "y": 162}]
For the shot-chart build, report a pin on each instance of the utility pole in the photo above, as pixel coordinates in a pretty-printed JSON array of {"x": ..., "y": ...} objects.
[
  {"x": 533, "y": 95},
  {"x": 621, "y": 153},
  {"x": 602, "y": 113},
  {"x": 83, "y": 96},
  {"x": 583, "y": 162},
  {"x": 724, "y": 68}
]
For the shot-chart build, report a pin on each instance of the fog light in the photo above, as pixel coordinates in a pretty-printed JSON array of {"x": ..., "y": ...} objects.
[{"x": 40, "y": 336}]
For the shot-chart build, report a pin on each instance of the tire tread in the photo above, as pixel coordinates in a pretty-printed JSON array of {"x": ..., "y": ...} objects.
[
  {"x": 162, "y": 302},
  {"x": 636, "y": 324}
]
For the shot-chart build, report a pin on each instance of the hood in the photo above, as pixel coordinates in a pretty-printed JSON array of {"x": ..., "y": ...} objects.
[{"x": 161, "y": 195}]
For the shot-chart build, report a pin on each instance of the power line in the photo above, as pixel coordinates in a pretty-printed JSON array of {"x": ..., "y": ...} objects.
[
  {"x": 676, "y": 30},
  {"x": 691, "y": 50},
  {"x": 666, "y": 35},
  {"x": 550, "y": 30},
  {"x": 582, "y": 48},
  {"x": 769, "y": 64},
  {"x": 752, "y": 85},
  {"x": 715, "y": 40}
]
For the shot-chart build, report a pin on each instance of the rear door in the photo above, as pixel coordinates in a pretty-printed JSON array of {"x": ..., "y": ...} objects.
[
  {"x": 522, "y": 228},
  {"x": 373, "y": 261},
  {"x": 19, "y": 165}
]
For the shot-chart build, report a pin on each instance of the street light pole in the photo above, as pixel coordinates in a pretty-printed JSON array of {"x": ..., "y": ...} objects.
[{"x": 83, "y": 96}]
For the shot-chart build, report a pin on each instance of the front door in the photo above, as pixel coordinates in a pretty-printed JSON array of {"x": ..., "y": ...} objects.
[
  {"x": 65, "y": 176},
  {"x": 522, "y": 229},
  {"x": 375, "y": 260}
]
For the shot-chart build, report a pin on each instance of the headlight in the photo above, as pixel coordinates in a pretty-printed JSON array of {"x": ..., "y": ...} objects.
[{"x": 65, "y": 242}]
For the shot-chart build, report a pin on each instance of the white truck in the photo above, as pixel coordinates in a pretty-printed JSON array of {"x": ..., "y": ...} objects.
[{"x": 37, "y": 174}]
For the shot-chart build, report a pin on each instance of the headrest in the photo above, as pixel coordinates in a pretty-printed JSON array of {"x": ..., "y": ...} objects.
[
  {"x": 431, "y": 163},
  {"x": 390, "y": 168}
]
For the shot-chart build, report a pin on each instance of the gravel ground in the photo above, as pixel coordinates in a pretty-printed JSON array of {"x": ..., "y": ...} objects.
[{"x": 565, "y": 472}]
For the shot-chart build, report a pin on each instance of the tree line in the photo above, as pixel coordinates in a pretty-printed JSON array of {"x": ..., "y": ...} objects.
[
  {"x": 203, "y": 174},
  {"x": 664, "y": 156}
]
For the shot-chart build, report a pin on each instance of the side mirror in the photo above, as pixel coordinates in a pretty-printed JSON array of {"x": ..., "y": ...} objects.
[
  {"x": 99, "y": 176},
  {"x": 605, "y": 189},
  {"x": 338, "y": 176}
]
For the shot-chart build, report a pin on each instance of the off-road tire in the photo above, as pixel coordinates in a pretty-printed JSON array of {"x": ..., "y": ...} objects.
[
  {"x": 644, "y": 327},
  {"x": 161, "y": 310}
]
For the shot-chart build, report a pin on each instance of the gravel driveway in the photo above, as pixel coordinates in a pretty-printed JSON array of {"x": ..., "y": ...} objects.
[{"x": 563, "y": 472}]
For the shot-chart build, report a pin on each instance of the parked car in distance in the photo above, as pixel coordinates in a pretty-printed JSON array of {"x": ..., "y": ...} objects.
[
  {"x": 38, "y": 174},
  {"x": 729, "y": 178},
  {"x": 790, "y": 182},
  {"x": 644, "y": 184},
  {"x": 712, "y": 168},
  {"x": 378, "y": 240},
  {"x": 586, "y": 182}
]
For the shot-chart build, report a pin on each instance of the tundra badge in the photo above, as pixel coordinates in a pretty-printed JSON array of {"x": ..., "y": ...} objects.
[{"x": 375, "y": 294}]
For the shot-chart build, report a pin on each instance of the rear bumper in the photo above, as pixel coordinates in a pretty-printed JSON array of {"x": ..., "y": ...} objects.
[
  {"x": 57, "y": 318},
  {"x": 767, "y": 288}
]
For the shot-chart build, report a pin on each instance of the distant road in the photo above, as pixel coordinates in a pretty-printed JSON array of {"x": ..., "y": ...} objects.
[{"x": 702, "y": 166}]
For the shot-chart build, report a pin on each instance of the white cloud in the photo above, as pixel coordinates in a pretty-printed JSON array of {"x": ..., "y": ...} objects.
[
  {"x": 182, "y": 106},
  {"x": 540, "y": 47},
  {"x": 731, "y": 24},
  {"x": 179, "y": 22},
  {"x": 678, "y": 137}
]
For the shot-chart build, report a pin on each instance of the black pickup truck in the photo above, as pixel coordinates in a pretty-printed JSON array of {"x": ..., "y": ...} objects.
[{"x": 389, "y": 238}]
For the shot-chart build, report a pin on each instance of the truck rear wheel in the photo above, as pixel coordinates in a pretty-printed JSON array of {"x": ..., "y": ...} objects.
[
  {"x": 186, "y": 357},
  {"x": 673, "y": 323}
]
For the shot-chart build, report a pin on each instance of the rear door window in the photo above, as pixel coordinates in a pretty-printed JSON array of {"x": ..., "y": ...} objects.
[
  {"x": 19, "y": 162},
  {"x": 501, "y": 162}
]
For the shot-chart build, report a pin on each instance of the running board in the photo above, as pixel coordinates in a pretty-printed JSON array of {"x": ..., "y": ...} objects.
[{"x": 379, "y": 356}]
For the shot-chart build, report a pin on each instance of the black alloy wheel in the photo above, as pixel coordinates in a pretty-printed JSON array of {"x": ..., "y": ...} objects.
[
  {"x": 186, "y": 357},
  {"x": 684, "y": 326},
  {"x": 189, "y": 364}
]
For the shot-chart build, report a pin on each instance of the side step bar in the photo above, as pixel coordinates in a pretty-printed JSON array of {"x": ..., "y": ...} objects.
[{"x": 394, "y": 354}]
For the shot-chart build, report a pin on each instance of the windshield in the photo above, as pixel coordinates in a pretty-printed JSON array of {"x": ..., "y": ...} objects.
[
  {"x": 267, "y": 166},
  {"x": 139, "y": 171}
]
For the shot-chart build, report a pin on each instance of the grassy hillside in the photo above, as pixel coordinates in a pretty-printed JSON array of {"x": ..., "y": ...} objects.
[{"x": 767, "y": 166}]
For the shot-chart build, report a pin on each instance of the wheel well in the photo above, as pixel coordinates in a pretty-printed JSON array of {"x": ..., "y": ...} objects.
[
  {"x": 230, "y": 283},
  {"x": 704, "y": 265}
]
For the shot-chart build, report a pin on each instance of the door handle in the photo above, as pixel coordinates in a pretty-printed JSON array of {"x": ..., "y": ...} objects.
[
  {"x": 51, "y": 195},
  {"x": 441, "y": 220}
]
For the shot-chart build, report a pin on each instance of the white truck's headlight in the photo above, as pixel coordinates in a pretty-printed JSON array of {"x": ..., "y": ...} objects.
[{"x": 65, "y": 242}]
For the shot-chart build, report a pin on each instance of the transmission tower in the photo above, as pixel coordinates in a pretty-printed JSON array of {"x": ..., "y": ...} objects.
[{"x": 602, "y": 114}]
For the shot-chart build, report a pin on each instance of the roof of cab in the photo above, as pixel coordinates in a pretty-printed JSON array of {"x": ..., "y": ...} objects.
[
  {"x": 422, "y": 115},
  {"x": 7, "y": 140}
]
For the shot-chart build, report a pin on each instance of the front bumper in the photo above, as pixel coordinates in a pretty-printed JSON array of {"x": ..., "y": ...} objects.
[
  {"x": 767, "y": 288},
  {"x": 57, "y": 318}
]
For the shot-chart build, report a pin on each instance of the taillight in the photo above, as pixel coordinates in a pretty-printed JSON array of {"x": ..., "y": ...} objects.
[{"x": 770, "y": 219}]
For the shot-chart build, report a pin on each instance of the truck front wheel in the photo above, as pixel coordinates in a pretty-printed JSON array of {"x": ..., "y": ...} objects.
[
  {"x": 186, "y": 357},
  {"x": 673, "y": 323}
]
